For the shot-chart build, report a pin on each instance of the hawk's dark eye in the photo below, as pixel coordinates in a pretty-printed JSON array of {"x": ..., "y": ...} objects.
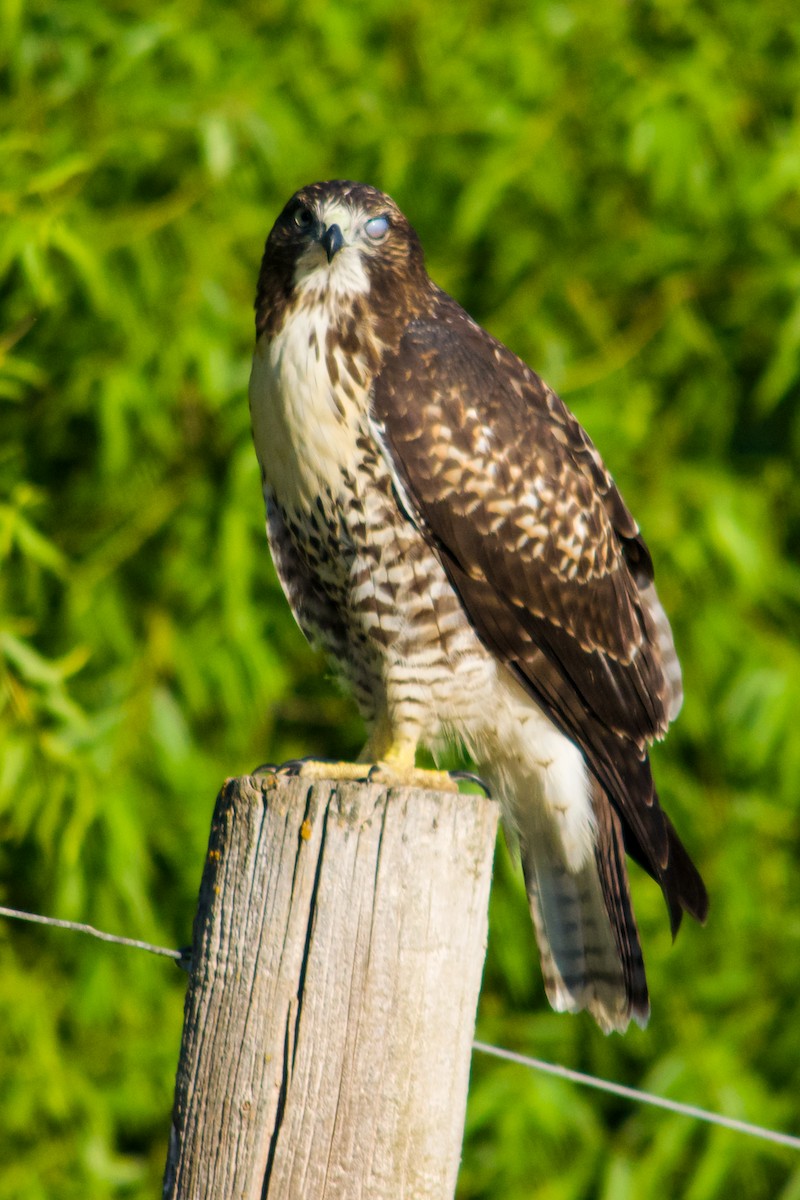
[
  {"x": 377, "y": 227},
  {"x": 303, "y": 218}
]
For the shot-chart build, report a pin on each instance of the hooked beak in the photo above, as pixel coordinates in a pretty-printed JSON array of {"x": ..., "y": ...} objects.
[{"x": 332, "y": 240}]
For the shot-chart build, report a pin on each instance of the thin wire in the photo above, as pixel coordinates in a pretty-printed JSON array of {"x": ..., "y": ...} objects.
[
  {"x": 629, "y": 1093},
  {"x": 97, "y": 933},
  {"x": 536, "y": 1064}
]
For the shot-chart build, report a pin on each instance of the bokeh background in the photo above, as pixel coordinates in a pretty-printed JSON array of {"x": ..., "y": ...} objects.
[{"x": 613, "y": 190}]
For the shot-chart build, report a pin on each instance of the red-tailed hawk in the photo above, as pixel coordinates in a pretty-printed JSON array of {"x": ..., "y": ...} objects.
[{"x": 443, "y": 526}]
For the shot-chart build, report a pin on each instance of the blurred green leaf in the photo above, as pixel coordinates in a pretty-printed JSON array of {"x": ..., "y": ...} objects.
[{"x": 613, "y": 191}]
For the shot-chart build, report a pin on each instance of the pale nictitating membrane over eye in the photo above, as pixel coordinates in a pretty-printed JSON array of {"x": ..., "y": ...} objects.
[{"x": 376, "y": 227}]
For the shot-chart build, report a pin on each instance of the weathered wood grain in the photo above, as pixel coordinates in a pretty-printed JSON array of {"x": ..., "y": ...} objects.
[{"x": 338, "y": 951}]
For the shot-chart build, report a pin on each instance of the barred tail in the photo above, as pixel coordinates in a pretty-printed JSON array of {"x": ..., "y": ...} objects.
[{"x": 587, "y": 935}]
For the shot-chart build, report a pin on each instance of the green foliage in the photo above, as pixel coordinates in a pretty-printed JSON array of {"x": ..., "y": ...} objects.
[{"x": 613, "y": 189}]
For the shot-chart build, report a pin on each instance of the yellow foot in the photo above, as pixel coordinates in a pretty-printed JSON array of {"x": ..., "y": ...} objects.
[
  {"x": 394, "y": 775},
  {"x": 316, "y": 768},
  {"x": 322, "y": 768},
  {"x": 389, "y": 774}
]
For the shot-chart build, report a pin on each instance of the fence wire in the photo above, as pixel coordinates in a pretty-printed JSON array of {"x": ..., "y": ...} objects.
[{"x": 183, "y": 958}]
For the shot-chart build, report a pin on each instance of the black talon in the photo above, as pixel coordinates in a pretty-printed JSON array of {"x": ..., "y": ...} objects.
[
  {"x": 291, "y": 767},
  {"x": 471, "y": 777},
  {"x": 268, "y": 768}
]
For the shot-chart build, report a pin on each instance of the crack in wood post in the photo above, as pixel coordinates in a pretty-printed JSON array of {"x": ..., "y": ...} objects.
[{"x": 338, "y": 949}]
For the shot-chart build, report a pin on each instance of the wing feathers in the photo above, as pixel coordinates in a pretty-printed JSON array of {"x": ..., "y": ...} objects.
[{"x": 546, "y": 558}]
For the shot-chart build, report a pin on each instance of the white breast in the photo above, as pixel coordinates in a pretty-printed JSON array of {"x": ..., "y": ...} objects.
[{"x": 304, "y": 426}]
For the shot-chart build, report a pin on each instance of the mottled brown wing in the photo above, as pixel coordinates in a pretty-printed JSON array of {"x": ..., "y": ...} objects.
[{"x": 536, "y": 540}]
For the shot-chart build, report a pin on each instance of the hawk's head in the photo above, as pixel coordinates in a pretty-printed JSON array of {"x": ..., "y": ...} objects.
[{"x": 335, "y": 241}]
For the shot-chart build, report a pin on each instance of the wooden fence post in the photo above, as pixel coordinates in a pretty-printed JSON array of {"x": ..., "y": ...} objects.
[{"x": 338, "y": 951}]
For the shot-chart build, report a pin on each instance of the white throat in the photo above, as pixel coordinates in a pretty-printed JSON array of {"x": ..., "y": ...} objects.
[
  {"x": 344, "y": 276},
  {"x": 305, "y": 422}
]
